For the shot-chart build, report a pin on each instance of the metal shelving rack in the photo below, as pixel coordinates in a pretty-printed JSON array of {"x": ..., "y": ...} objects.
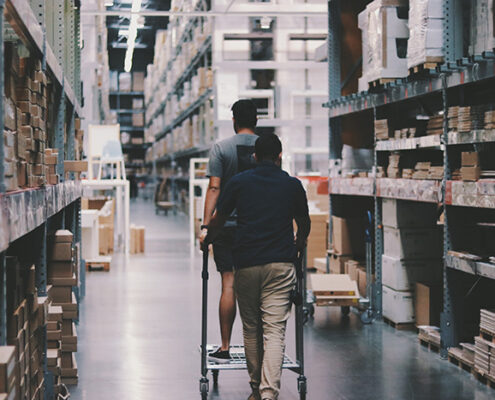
[
  {"x": 50, "y": 30},
  {"x": 455, "y": 73},
  {"x": 137, "y": 150},
  {"x": 201, "y": 59}
]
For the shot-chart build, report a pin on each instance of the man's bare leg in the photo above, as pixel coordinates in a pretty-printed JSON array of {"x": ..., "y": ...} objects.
[{"x": 227, "y": 309}]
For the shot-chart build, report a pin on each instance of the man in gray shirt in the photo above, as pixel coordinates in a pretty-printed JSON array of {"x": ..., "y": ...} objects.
[{"x": 227, "y": 158}]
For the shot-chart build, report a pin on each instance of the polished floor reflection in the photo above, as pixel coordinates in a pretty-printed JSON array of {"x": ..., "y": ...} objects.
[{"x": 140, "y": 328}]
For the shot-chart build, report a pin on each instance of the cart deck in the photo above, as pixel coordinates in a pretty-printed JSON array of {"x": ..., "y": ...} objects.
[{"x": 238, "y": 361}]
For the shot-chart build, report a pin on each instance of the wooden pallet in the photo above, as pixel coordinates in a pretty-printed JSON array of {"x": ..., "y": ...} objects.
[
  {"x": 380, "y": 82},
  {"x": 400, "y": 326},
  {"x": 455, "y": 357},
  {"x": 487, "y": 335},
  {"x": 484, "y": 378},
  {"x": 429, "y": 345},
  {"x": 98, "y": 266},
  {"x": 430, "y": 64}
]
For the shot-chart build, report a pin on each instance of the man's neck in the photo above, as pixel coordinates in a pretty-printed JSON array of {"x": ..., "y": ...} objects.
[{"x": 245, "y": 131}]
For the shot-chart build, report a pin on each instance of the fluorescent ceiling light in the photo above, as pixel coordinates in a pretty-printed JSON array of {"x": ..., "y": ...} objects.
[
  {"x": 124, "y": 32},
  {"x": 131, "y": 39},
  {"x": 109, "y": 3}
]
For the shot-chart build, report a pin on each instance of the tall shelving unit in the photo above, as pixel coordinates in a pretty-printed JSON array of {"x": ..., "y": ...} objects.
[
  {"x": 121, "y": 103},
  {"x": 455, "y": 82},
  {"x": 273, "y": 64},
  {"x": 50, "y": 31}
]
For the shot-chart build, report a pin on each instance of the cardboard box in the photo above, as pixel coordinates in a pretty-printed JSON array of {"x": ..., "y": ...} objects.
[
  {"x": 138, "y": 119},
  {"x": 320, "y": 264},
  {"x": 398, "y": 307},
  {"x": 138, "y": 81},
  {"x": 470, "y": 173},
  {"x": 362, "y": 281},
  {"x": 63, "y": 236},
  {"x": 401, "y": 275},
  {"x": 317, "y": 240},
  {"x": 337, "y": 263},
  {"x": 412, "y": 243},
  {"x": 60, "y": 269},
  {"x": 428, "y": 304},
  {"x": 63, "y": 281},
  {"x": 7, "y": 365},
  {"x": 61, "y": 251},
  {"x": 408, "y": 214},
  {"x": 60, "y": 294},
  {"x": 347, "y": 236},
  {"x": 351, "y": 269},
  {"x": 68, "y": 327},
  {"x": 470, "y": 159}
]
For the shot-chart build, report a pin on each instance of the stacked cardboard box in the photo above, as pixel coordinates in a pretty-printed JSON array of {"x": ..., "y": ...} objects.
[
  {"x": 51, "y": 161},
  {"x": 137, "y": 239},
  {"x": 470, "y": 170},
  {"x": 393, "y": 169},
  {"x": 347, "y": 244},
  {"x": 484, "y": 352},
  {"x": 453, "y": 118},
  {"x": 412, "y": 250},
  {"x": 62, "y": 276},
  {"x": 8, "y": 376},
  {"x": 435, "y": 125},
  {"x": 381, "y": 129},
  {"x": 26, "y": 314},
  {"x": 318, "y": 239},
  {"x": 421, "y": 170},
  {"x": 31, "y": 101},
  {"x": 79, "y": 135},
  {"x": 490, "y": 119}
]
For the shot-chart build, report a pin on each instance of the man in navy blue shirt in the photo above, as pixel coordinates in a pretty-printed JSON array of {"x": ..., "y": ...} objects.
[{"x": 267, "y": 201}]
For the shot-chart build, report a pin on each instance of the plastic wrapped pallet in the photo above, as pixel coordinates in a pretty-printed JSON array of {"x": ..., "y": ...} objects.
[
  {"x": 482, "y": 26},
  {"x": 385, "y": 35},
  {"x": 425, "y": 43}
]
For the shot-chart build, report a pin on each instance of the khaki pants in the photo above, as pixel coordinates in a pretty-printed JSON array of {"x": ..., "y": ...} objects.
[{"x": 263, "y": 295}]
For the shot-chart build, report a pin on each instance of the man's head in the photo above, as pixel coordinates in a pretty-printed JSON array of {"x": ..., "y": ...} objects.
[
  {"x": 244, "y": 115},
  {"x": 268, "y": 148}
]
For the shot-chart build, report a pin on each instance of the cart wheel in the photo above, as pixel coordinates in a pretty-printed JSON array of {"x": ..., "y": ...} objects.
[
  {"x": 345, "y": 310},
  {"x": 301, "y": 387},
  {"x": 311, "y": 308},
  {"x": 204, "y": 387},
  {"x": 367, "y": 317},
  {"x": 305, "y": 316},
  {"x": 215, "y": 376}
]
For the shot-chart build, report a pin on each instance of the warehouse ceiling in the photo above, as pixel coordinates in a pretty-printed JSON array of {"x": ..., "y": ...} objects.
[{"x": 118, "y": 28}]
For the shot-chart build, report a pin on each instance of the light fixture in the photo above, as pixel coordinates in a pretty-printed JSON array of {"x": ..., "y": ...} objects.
[
  {"x": 131, "y": 39},
  {"x": 124, "y": 32},
  {"x": 109, "y": 3}
]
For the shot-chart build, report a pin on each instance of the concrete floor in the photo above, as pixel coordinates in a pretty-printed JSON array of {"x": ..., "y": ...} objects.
[{"x": 139, "y": 332}]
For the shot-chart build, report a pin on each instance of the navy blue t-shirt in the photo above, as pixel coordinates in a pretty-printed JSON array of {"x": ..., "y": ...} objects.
[{"x": 267, "y": 200}]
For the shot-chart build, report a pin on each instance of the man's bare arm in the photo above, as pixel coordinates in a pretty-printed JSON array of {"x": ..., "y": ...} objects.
[{"x": 212, "y": 194}]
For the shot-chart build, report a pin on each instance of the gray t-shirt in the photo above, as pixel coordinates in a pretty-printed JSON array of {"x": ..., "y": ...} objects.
[{"x": 229, "y": 157}]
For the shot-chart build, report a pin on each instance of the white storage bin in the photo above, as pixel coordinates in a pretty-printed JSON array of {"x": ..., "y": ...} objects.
[
  {"x": 413, "y": 243},
  {"x": 401, "y": 275},
  {"x": 398, "y": 307},
  {"x": 408, "y": 214}
]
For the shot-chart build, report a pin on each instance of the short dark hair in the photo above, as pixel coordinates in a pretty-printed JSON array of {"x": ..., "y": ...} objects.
[
  {"x": 268, "y": 147},
  {"x": 245, "y": 114}
]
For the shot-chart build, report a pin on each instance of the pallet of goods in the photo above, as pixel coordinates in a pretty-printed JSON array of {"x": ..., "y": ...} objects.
[{"x": 425, "y": 44}]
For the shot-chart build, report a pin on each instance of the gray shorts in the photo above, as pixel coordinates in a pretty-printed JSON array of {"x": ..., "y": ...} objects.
[{"x": 222, "y": 250}]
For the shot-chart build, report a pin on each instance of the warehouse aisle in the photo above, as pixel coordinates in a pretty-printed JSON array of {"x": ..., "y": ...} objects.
[{"x": 140, "y": 328}]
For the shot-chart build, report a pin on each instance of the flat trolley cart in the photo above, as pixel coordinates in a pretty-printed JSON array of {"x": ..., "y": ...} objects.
[{"x": 238, "y": 361}]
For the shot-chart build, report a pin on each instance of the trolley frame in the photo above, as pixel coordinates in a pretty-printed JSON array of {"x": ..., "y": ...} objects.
[{"x": 238, "y": 362}]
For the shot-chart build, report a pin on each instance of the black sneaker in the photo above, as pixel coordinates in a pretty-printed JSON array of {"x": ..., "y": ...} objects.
[{"x": 219, "y": 356}]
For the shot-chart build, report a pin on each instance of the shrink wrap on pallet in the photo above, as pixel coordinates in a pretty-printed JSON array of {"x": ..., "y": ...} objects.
[{"x": 426, "y": 32}]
